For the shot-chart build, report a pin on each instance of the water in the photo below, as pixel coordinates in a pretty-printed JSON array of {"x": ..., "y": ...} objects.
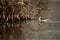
[{"x": 51, "y": 29}]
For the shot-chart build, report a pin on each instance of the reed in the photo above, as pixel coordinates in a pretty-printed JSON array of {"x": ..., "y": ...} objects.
[{"x": 13, "y": 14}]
